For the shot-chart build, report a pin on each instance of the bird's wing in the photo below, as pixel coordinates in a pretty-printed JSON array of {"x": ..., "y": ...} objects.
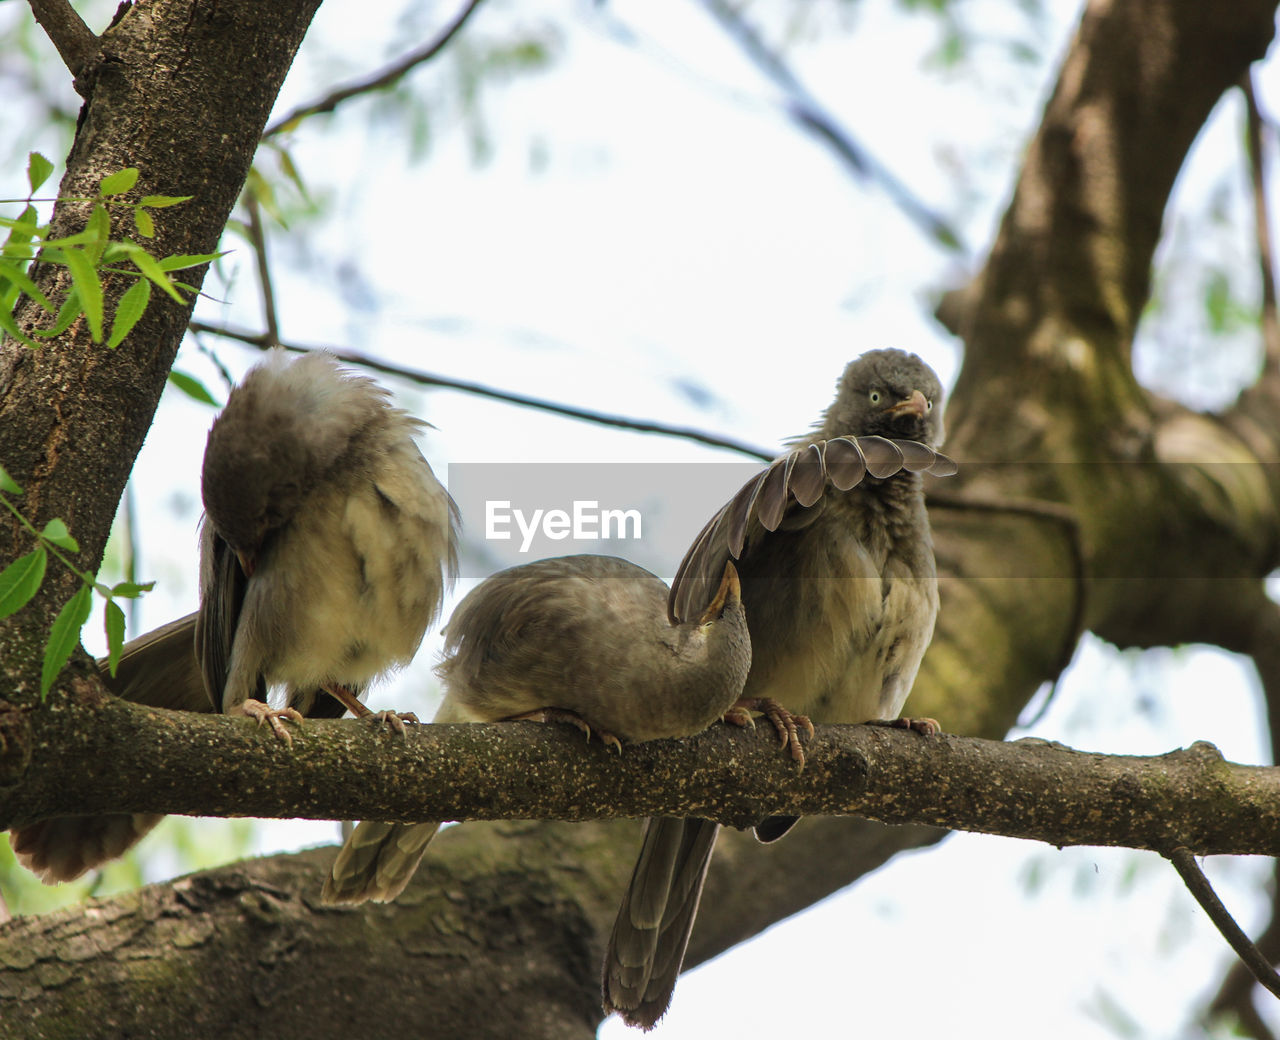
[
  {"x": 788, "y": 493},
  {"x": 160, "y": 669},
  {"x": 221, "y": 599}
]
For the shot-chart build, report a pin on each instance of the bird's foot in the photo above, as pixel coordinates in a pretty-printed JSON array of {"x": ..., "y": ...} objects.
[
  {"x": 788, "y": 726},
  {"x": 570, "y": 717},
  {"x": 927, "y": 727},
  {"x": 393, "y": 720},
  {"x": 265, "y": 713}
]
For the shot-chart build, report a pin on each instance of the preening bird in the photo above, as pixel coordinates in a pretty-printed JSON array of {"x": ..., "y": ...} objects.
[
  {"x": 325, "y": 552},
  {"x": 579, "y": 639},
  {"x": 327, "y": 543},
  {"x": 836, "y": 564}
]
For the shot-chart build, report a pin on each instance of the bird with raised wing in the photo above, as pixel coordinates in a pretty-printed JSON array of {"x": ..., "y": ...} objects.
[{"x": 836, "y": 564}]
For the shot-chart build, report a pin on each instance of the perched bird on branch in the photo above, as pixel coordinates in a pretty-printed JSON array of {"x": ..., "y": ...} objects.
[
  {"x": 327, "y": 542},
  {"x": 326, "y": 549},
  {"x": 835, "y": 558},
  {"x": 578, "y": 639}
]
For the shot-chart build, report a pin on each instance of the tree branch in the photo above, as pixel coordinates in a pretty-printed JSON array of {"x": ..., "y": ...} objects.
[
  {"x": 258, "y": 236},
  {"x": 77, "y": 45},
  {"x": 193, "y": 764},
  {"x": 386, "y": 78},
  {"x": 264, "y": 341},
  {"x": 1184, "y": 862}
]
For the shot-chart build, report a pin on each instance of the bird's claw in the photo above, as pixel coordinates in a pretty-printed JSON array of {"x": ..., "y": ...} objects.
[
  {"x": 786, "y": 724},
  {"x": 265, "y": 713},
  {"x": 393, "y": 720},
  {"x": 570, "y": 717},
  {"x": 926, "y": 727}
]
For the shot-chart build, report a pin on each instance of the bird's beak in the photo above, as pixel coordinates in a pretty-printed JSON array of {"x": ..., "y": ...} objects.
[
  {"x": 730, "y": 588},
  {"x": 247, "y": 562},
  {"x": 916, "y": 403}
]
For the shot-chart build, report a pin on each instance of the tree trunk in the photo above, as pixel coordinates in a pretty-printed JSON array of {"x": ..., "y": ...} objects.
[{"x": 1084, "y": 502}]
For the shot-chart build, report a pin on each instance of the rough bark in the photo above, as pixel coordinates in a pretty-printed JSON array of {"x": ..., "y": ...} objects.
[
  {"x": 180, "y": 762},
  {"x": 1084, "y": 502}
]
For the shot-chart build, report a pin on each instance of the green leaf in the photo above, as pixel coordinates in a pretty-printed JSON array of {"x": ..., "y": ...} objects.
[
  {"x": 99, "y": 223},
  {"x": 55, "y": 531},
  {"x": 118, "y": 183},
  {"x": 181, "y": 261},
  {"x": 291, "y": 171},
  {"x": 67, "y": 313},
  {"x": 192, "y": 387},
  {"x": 64, "y": 635},
  {"x": 15, "y": 275},
  {"x": 143, "y": 222},
  {"x": 131, "y": 590},
  {"x": 38, "y": 170},
  {"x": 161, "y": 201},
  {"x": 85, "y": 279},
  {"x": 99, "y": 226},
  {"x": 132, "y": 306},
  {"x": 11, "y": 327},
  {"x": 22, "y": 230},
  {"x": 78, "y": 239},
  {"x": 147, "y": 264},
  {"x": 21, "y": 580},
  {"x": 113, "y": 621},
  {"x": 7, "y": 483}
]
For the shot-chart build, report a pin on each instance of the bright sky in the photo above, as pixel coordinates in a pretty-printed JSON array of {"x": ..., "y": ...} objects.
[{"x": 650, "y": 236}]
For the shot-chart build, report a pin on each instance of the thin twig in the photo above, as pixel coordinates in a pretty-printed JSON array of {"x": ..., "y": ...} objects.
[
  {"x": 263, "y": 342},
  {"x": 1184, "y": 862},
  {"x": 1262, "y": 224},
  {"x": 387, "y": 77},
  {"x": 77, "y": 45},
  {"x": 803, "y": 107},
  {"x": 259, "y": 239}
]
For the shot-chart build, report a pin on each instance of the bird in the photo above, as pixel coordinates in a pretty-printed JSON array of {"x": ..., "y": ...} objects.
[
  {"x": 578, "y": 639},
  {"x": 326, "y": 549},
  {"x": 327, "y": 543},
  {"x": 835, "y": 560}
]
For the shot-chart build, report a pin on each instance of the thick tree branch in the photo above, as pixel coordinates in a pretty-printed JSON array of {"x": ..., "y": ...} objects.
[
  {"x": 386, "y": 78},
  {"x": 77, "y": 46},
  {"x": 263, "y": 341},
  {"x": 195, "y": 764}
]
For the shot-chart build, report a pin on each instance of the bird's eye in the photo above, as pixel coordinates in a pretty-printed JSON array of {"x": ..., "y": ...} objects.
[
  {"x": 874, "y": 396},
  {"x": 928, "y": 404}
]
